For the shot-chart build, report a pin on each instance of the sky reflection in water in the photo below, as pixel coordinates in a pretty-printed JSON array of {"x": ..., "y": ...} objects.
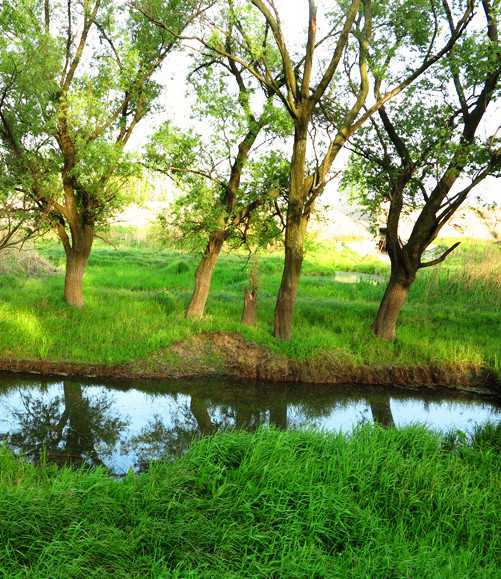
[{"x": 126, "y": 425}]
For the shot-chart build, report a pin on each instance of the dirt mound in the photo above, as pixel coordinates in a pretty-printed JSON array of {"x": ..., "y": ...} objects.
[{"x": 345, "y": 222}]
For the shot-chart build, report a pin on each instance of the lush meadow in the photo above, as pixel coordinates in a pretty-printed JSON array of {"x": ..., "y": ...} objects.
[
  {"x": 136, "y": 296},
  {"x": 376, "y": 503}
]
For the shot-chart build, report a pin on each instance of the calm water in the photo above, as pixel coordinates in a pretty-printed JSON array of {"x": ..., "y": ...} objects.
[{"x": 127, "y": 424}]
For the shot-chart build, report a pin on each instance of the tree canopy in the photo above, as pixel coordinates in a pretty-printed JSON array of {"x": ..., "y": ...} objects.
[
  {"x": 427, "y": 150},
  {"x": 322, "y": 82},
  {"x": 76, "y": 80}
]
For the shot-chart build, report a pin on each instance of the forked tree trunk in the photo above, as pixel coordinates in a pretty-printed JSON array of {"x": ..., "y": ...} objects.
[
  {"x": 203, "y": 275},
  {"x": 394, "y": 297}
]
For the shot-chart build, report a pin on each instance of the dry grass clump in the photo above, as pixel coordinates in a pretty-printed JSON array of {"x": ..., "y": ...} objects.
[
  {"x": 473, "y": 270},
  {"x": 25, "y": 259},
  {"x": 483, "y": 267}
]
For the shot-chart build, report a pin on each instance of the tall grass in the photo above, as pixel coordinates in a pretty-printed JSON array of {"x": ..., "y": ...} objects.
[
  {"x": 296, "y": 504},
  {"x": 136, "y": 298},
  {"x": 472, "y": 270}
]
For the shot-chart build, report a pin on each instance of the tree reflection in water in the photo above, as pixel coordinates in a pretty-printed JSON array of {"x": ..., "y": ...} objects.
[
  {"x": 206, "y": 410},
  {"x": 381, "y": 410},
  {"x": 69, "y": 428},
  {"x": 84, "y": 425}
]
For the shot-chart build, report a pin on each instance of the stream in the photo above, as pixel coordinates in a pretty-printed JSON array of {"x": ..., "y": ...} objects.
[{"x": 126, "y": 424}]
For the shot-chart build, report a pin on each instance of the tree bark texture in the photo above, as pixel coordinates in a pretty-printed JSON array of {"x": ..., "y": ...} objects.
[
  {"x": 203, "y": 275},
  {"x": 394, "y": 297},
  {"x": 76, "y": 259},
  {"x": 250, "y": 307},
  {"x": 287, "y": 293}
]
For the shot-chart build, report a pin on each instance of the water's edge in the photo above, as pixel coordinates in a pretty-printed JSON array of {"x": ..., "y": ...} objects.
[{"x": 230, "y": 355}]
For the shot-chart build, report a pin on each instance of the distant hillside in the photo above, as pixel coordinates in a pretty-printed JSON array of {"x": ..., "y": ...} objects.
[
  {"x": 348, "y": 221},
  {"x": 345, "y": 221}
]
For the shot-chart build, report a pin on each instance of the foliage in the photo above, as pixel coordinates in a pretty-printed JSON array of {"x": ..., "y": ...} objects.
[
  {"x": 232, "y": 177},
  {"x": 75, "y": 83},
  {"x": 425, "y": 133}
]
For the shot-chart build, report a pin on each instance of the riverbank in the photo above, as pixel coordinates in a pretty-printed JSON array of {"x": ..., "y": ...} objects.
[
  {"x": 303, "y": 504},
  {"x": 230, "y": 355},
  {"x": 133, "y": 321}
]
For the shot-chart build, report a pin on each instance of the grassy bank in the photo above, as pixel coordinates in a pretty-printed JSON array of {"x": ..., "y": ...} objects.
[
  {"x": 136, "y": 297},
  {"x": 378, "y": 503}
]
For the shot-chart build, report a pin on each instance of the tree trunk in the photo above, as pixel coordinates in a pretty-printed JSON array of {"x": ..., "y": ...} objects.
[
  {"x": 80, "y": 444},
  {"x": 76, "y": 259},
  {"x": 250, "y": 307},
  {"x": 198, "y": 408},
  {"x": 278, "y": 416},
  {"x": 243, "y": 420},
  {"x": 75, "y": 267},
  {"x": 295, "y": 231},
  {"x": 203, "y": 275},
  {"x": 288, "y": 290},
  {"x": 394, "y": 297}
]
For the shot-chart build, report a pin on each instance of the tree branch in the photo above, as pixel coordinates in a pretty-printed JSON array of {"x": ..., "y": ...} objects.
[{"x": 439, "y": 259}]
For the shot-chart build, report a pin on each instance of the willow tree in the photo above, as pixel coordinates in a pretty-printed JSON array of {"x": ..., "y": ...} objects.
[
  {"x": 428, "y": 151},
  {"x": 77, "y": 79},
  {"x": 230, "y": 183}
]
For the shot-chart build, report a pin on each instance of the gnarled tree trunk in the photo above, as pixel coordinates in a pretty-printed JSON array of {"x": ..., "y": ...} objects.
[{"x": 203, "y": 275}]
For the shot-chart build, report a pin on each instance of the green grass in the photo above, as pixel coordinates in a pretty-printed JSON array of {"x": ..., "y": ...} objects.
[
  {"x": 302, "y": 504},
  {"x": 136, "y": 298}
]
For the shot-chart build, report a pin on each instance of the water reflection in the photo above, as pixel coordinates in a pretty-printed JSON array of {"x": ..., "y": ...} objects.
[
  {"x": 59, "y": 421},
  {"x": 124, "y": 425}
]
